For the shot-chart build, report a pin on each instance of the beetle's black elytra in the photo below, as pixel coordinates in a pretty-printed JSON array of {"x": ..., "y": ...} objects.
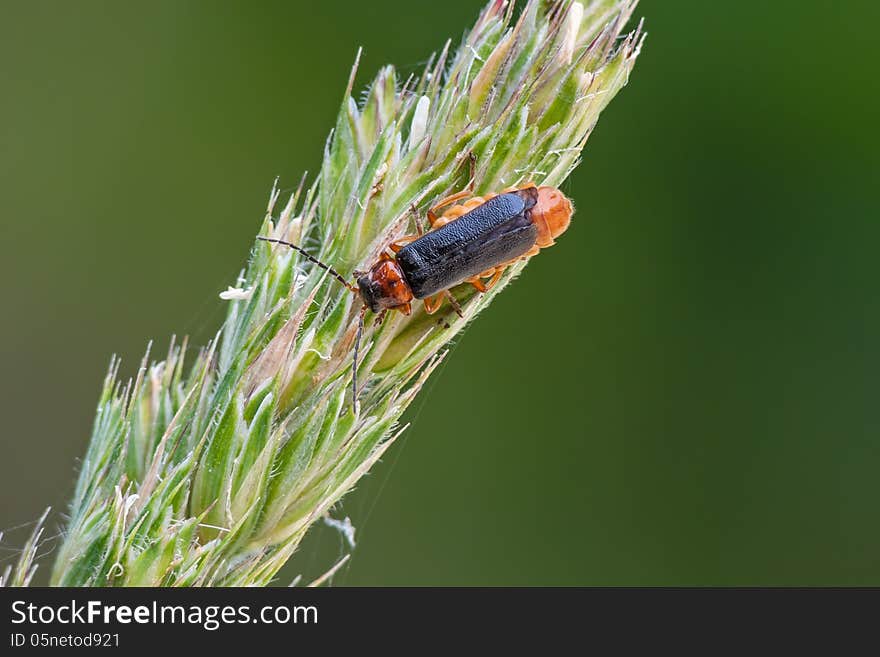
[{"x": 497, "y": 231}]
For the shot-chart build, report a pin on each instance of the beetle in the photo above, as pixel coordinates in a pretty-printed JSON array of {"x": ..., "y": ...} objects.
[{"x": 468, "y": 243}]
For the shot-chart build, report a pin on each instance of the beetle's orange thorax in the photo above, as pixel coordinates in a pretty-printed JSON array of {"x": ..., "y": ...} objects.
[
  {"x": 385, "y": 286},
  {"x": 551, "y": 214}
]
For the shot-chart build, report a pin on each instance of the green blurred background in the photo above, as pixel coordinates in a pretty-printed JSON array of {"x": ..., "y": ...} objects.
[{"x": 682, "y": 391}]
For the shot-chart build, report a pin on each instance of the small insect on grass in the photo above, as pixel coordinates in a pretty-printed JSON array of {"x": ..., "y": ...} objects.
[{"x": 471, "y": 242}]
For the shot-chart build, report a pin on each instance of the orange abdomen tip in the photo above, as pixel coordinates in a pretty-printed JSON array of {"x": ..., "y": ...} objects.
[{"x": 551, "y": 214}]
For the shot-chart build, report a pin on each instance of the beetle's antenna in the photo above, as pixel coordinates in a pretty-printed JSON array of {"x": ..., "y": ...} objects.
[
  {"x": 354, "y": 363},
  {"x": 313, "y": 259}
]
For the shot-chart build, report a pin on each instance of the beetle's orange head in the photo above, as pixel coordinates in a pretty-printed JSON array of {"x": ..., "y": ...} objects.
[
  {"x": 551, "y": 214},
  {"x": 384, "y": 286}
]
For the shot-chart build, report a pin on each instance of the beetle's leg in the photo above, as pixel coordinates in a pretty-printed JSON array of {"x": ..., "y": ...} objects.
[
  {"x": 449, "y": 200},
  {"x": 452, "y": 213},
  {"x": 432, "y": 304},
  {"x": 380, "y": 317},
  {"x": 477, "y": 283},
  {"x": 497, "y": 272},
  {"x": 401, "y": 242},
  {"x": 493, "y": 274},
  {"x": 495, "y": 277},
  {"x": 454, "y": 303}
]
